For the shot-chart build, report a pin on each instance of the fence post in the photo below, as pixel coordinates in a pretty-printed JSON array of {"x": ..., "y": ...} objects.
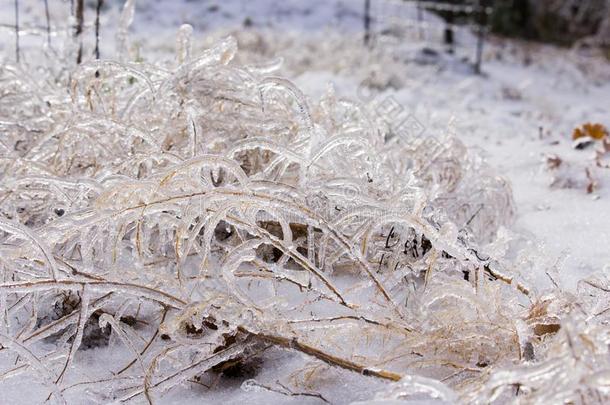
[
  {"x": 48, "y": 18},
  {"x": 481, "y": 28},
  {"x": 97, "y": 28},
  {"x": 78, "y": 29},
  {"x": 367, "y": 22},
  {"x": 17, "y": 30},
  {"x": 420, "y": 19},
  {"x": 448, "y": 36}
]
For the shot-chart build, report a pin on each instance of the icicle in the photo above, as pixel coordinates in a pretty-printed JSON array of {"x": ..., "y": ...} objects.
[
  {"x": 222, "y": 53},
  {"x": 266, "y": 69},
  {"x": 299, "y": 98},
  {"x": 184, "y": 45},
  {"x": 122, "y": 36}
]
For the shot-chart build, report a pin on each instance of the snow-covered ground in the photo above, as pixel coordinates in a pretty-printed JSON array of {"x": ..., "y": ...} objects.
[{"x": 518, "y": 114}]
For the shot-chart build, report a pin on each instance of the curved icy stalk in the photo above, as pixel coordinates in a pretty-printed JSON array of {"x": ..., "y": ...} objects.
[
  {"x": 312, "y": 216},
  {"x": 295, "y": 344},
  {"x": 122, "y": 35},
  {"x": 107, "y": 319},
  {"x": 18, "y": 229},
  {"x": 83, "y": 317},
  {"x": 62, "y": 323},
  {"x": 103, "y": 287},
  {"x": 198, "y": 367}
]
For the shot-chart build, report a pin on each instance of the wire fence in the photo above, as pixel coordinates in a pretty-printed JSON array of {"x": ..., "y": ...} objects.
[
  {"x": 432, "y": 21},
  {"x": 427, "y": 20},
  {"x": 40, "y": 19}
]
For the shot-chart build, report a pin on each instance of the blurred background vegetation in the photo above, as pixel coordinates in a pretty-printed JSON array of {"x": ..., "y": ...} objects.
[{"x": 562, "y": 22}]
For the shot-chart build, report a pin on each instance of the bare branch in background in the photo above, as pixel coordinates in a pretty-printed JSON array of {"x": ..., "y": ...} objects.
[
  {"x": 367, "y": 22},
  {"x": 17, "y": 30},
  {"x": 48, "y": 19}
]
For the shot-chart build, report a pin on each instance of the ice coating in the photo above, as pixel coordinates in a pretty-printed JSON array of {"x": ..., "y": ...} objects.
[{"x": 239, "y": 214}]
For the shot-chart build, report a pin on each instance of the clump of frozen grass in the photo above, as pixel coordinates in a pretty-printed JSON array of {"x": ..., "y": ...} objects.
[{"x": 206, "y": 212}]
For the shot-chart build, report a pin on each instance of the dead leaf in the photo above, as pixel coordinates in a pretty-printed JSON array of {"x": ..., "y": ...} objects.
[
  {"x": 546, "y": 329},
  {"x": 591, "y": 183},
  {"x": 602, "y": 153},
  {"x": 553, "y": 162},
  {"x": 594, "y": 131}
]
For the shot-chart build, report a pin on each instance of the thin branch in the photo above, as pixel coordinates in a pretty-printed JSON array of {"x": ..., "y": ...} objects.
[
  {"x": 96, "y": 286},
  {"x": 295, "y": 344},
  {"x": 17, "y": 30},
  {"x": 152, "y": 339},
  {"x": 286, "y": 391},
  {"x": 48, "y": 18}
]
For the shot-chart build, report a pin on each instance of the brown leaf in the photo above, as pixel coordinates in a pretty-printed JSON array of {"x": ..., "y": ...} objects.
[
  {"x": 595, "y": 131},
  {"x": 553, "y": 162},
  {"x": 546, "y": 329},
  {"x": 591, "y": 183}
]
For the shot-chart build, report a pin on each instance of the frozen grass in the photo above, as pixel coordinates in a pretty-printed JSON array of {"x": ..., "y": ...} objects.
[{"x": 198, "y": 215}]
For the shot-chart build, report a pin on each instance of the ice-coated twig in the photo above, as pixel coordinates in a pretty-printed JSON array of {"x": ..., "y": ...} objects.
[
  {"x": 122, "y": 36},
  {"x": 196, "y": 368},
  {"x": 108, "y": 320},
  {"x": 184, "y": 45},
  {"x": 295, "y": 344},
  {"x": 83, "y": 316},
  {"x": 253, "y": 385},
  {"x": 20, "y": 230},
  {"x": 103, "y": 287}
]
